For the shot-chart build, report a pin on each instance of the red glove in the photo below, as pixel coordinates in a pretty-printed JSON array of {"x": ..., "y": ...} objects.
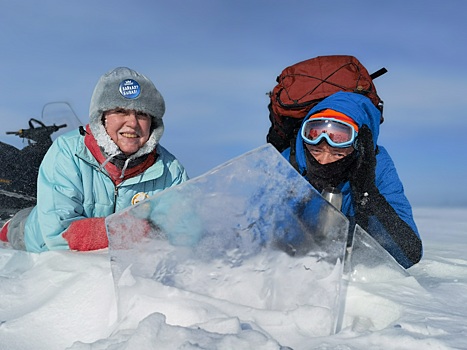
[
  {"x": 4, "y": 231},
  {"x": 87, "y": 234}
]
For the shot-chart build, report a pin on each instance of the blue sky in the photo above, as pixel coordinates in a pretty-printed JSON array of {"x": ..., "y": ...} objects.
[{"x": 214, "y": 62}]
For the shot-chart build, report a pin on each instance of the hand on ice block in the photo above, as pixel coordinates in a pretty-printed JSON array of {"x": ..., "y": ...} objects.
[{"x": 87, "y": 234}]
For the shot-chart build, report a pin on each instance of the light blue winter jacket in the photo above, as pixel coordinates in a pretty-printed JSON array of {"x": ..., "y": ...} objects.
[
  {"x": 362, "y": 111},
  {"x": 71, "y": 186}
]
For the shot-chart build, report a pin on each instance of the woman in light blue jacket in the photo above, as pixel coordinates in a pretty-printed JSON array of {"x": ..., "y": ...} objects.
[
  {"x": 337, "y": 146},
  {"x": 88, "y": 174}
]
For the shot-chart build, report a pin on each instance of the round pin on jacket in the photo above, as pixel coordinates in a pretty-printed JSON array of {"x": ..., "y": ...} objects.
[{"x": 140, "y": 196}]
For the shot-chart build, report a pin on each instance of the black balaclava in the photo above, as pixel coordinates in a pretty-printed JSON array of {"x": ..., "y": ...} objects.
[{"x": 333, "y": 174}]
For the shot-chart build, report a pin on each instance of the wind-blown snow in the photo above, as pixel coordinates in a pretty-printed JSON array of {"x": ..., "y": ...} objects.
[{"x": 59, "y": 300}]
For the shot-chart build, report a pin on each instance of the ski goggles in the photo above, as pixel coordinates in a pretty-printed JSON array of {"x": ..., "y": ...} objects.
[{"x": 337, "y": 133}]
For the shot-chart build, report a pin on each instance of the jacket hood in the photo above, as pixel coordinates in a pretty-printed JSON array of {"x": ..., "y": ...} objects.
[{"x": 356, "y": 106}]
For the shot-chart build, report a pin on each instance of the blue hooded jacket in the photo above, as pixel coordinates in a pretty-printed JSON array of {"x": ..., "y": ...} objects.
[
  {"x": 362, "y": 111},
  {"x": 73, "y": 186}
]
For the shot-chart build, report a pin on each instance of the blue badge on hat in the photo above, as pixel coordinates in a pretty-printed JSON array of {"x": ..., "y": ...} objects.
[{"x": 129, "y": 88}]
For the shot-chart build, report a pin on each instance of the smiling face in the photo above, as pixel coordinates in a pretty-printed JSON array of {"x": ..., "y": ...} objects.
[{"x": 129, "y": 129}]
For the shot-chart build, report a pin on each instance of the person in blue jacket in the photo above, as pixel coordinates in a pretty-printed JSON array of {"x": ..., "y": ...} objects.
[
  {"x": 337, "y": 146},
  {"x": 90, "y": 173}
]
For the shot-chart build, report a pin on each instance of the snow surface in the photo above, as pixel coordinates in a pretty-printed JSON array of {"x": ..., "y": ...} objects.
[
  {"x": 60, "y": 300},
  {"x": 137, "y": 295}
]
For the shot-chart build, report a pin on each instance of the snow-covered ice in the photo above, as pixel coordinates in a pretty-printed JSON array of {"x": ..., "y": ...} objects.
[
  {"x": 59, "y": 300},
  {"x": 70, "y": 300}
]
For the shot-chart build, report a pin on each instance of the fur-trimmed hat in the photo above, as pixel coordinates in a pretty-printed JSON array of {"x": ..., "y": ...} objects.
[{"x": 125, "y": 88}]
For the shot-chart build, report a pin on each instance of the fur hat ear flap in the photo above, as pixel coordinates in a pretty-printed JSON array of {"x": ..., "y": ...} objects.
[{"x": 153, "y": 140}]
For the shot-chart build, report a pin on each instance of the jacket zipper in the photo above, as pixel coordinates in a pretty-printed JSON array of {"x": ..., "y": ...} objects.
[
  {"x": 115, "y": 198},
  {"x": 99, "y": 170}
]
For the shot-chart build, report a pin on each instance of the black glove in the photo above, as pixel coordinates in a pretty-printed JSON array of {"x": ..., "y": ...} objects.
[
  {"x": 362, "y": 178},
  {"x": 368, "y": 201}
]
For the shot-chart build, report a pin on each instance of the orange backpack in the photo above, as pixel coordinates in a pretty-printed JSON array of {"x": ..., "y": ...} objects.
[{"x": 301, "y": 86}]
